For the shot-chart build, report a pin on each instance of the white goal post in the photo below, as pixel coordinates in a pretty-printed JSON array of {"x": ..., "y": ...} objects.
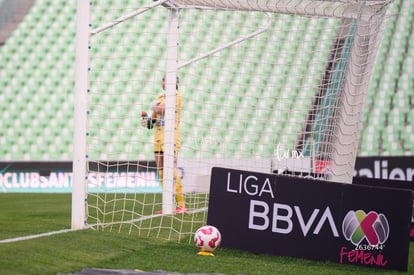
[{"x": 270, "y": 86}]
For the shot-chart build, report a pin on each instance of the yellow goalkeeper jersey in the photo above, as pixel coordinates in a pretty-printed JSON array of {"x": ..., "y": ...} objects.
[{"x": 160, "y": 123}]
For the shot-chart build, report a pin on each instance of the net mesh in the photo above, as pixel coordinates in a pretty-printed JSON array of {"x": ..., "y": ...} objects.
[{"x": 268, "y": 102}]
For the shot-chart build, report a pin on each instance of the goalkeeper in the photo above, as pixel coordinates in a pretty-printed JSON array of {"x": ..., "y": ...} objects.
[{"x": 156, "y": 122}]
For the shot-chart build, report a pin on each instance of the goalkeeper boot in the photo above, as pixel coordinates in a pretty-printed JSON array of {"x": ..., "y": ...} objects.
[{"x": 180, "y": 210}]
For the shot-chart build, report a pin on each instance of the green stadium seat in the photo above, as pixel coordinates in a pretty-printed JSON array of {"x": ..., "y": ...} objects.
[{"x": 31, "y": 52}]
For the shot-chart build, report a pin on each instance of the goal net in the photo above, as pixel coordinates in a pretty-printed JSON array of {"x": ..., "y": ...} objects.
[{"x": 267, "y": 86}]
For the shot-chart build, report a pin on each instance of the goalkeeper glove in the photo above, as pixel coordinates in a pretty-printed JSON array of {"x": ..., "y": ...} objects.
[{"x": 146, "y": 121}]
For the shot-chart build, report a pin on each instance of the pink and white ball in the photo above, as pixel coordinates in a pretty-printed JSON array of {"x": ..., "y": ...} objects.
[{"x": 207, "y": 238}]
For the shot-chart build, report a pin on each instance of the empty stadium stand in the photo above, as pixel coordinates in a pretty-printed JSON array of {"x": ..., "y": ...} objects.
[{"x": 37, "y": 83}]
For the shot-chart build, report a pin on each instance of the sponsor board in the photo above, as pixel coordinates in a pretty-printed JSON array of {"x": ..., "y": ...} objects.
[
  {"x": 319, "y": 220},
  {"x": 394, "y": 171},
  {"x": 391, "y": 184},
  {"x": 388, "y": 168}
]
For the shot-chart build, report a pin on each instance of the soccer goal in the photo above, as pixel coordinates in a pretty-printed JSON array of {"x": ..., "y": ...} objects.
[{"x": 268, "y": 86}]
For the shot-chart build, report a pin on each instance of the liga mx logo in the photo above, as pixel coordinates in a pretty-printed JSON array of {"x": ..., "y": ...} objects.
[{"x": 373, "y": 227}]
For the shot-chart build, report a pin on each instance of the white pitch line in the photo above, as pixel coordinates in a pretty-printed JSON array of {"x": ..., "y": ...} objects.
[{"x": 37, "y": 236}]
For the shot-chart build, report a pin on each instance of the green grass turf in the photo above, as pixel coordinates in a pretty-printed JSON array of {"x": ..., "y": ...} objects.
[{"x": 25, "y": 214}]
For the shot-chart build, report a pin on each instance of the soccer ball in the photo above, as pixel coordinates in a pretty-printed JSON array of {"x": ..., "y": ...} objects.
[{"x": 207, "y": 238}]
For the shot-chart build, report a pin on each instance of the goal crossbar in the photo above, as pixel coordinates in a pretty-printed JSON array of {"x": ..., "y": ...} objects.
[{"x": 322, "y": 8}]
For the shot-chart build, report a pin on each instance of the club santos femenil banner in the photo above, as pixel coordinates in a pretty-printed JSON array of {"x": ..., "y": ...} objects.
[
  {"x": 311, "y": 219},
  {"x": 56, "y": 177}
]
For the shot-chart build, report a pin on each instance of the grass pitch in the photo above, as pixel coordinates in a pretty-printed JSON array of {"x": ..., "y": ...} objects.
[{"x": 28, "y": 214}]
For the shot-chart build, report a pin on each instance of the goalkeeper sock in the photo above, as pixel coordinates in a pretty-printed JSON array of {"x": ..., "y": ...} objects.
[
  {"x": 161, "y": 175},
  {"x": 178, "y": 189},
  {"x": 178, "y": 186}
]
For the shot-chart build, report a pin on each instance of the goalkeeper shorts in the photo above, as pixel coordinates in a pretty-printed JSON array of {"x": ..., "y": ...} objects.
[{"x": 159, "y": 146}]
